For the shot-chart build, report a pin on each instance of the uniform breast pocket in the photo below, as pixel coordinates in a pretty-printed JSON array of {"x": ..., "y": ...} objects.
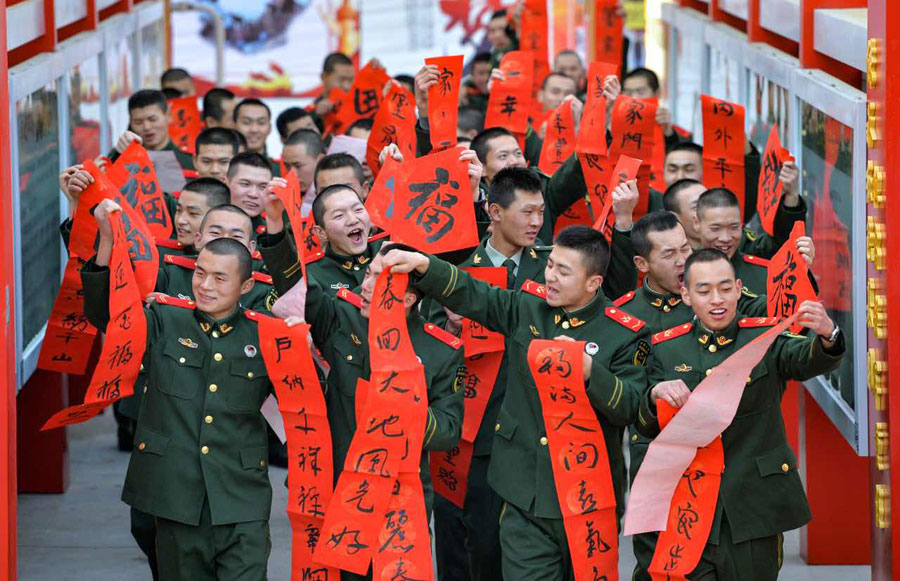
[
  {"x": 181, "y": 370},
  {"x": 760, "y": 393},
  {"x": 249, "y": 385}
]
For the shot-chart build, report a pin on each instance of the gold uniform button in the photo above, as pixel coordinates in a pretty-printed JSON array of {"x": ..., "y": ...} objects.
[
  {"x": 543, "y": 440},
  {"x": 667, "y": 308},
  {"x": 142, "y": 445},
  {"x": 355, "y": 268},
  {"x": 785, "y": 467},
  {"x": 497, "y": 428},
  {"x": 213, "y": 387},
  {"x": 181, "y": 360},
  {"x": 349, "y": 357},
  {"x": 262, "y": 463},
  {"x": 249, "y": 375},
  {"x": 142, "y": 366},
  {"x": 217, "y": 356},
  {"x": 634, "y": 438},
  {"x": 204, "y": 450},
  {"x": 145, "y": 389},
  {"x": 565, "y": 324},
  {"x": 208, "y": 419},
  {"x": 215, "y": 334},
  {"x": 708, "y": 371},
  {"x": 712, "y": 349}
]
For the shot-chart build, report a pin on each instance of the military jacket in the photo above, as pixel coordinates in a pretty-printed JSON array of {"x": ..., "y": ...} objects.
[
  {"x": 752, "y": 270},
  {"x": 761, "y": 493},
  {"x": 176, "y": 273},
  {"x": 762, "y": 244},
  {"x": 520, "y": 470},
  {"x": 200, "y": 432}
]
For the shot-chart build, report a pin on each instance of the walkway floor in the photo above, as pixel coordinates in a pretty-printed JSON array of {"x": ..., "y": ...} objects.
[{"x": 84, "y": 533}]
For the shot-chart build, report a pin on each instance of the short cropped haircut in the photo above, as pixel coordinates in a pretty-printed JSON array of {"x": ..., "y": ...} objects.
[
  {"x": 365, "y": 124},
  {"x": 590, "y": 244},
  {"x": 688, "y": 146},
  {"x": 480, "y": 142},
  {"x": 333, "y": 60},
  {"x": 212, "y": 102},
  {"x": 229, "y": 209},
  {"x": 569, "y": 53},
  {"x": 481, "y": 57},
  {"x": 309, "y": 139},
  {"x": 337, "y": 161},
  {"x": 318, "y": 206},
  {"x": 643, "y": 73},
  {"x": 560, "y": 75},
  {"x": 215, "y": 192},
  {"x": 505, "y": 183},
  {"x": 242, "y": 141},
  {"x": 290, "y": 115},
  {"x": 716, "y": 198},
  {"x": 217, "y": 136},
  {"x": 250, "y": 159},
  {"x": 174, "y": 75},
  {"x": 670, "y": 197},
  {"x": 648, "y": 224},
  {"x": 230, "y": 247},
  {"x": 147, "y": 98},
  {"x": 470, "y": 118},
  {"x": 704, "y": 255},
  {"x": 171, "y": 93},
  {"x": 248, "y": 102}
]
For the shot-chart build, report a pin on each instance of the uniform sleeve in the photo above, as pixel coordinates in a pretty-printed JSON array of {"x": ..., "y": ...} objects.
[
  {"x": 423, "y": 138},
  {"x": 647, "y": 421},
  {"x": 321, "y": 314},
  {"x": 564, "y": 188},
  {"x": 95, "y": 280},
  {"x": 621, "y": 275},
  {"x": 751, "y": 181},
  {"x": 65, "y": 231},
  {"x": 801, "y": 358},
  {"x": 443, "y": 428},
  {"x": 614, "y": 391},
  {"x": 753, "y": 306},
  {"x": 280, "y": 256},
  {"x": 494, "y": 308},
  {"x": 533, "y": 145}
]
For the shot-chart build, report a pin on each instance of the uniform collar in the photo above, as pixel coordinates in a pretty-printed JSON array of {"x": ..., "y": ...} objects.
[
  {"x": 217, "y": 328},
  {"x": 497, "y": 258},
  {"x": 715, "y": 340},
  {"x": 575, "y": 319},
  {"x": 350, "y": 262},
  {"x": 660, "y": 301}
]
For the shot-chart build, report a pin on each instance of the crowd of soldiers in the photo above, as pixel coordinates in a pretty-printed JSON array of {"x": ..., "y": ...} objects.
[{"x": 198, "y": 483}]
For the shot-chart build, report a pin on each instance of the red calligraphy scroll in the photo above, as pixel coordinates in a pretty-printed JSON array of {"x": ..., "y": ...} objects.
[
  {"x": 394, "y": 123},
  {"x": 723, "y": 146},
  {"x": 476, "y": 337},
  {"x": 310, "y": 465},
  {"x": 788, "y": 279},
  {"x": 770, "y": 187},
  {"x": 626, "y": 170},
  {"x": 608, "y": 32},
  {"x": 186, "y": 123},
  {"x": 692, "y": 511},
  {"x": 578, "y": 455},
  {"x": 126, "y": 338},
  {"x": 658, "y": 160},
  {"x": 534, "y": 38},
  {"x": 591, "y": 148},
  {"x": 443, "y": 101},
  {"x": 510, "y": 99},
  {"x": 559, "y": 140},
  {"x": 433, "y": 208},
  {"x": 69, "y": 338},
  {"x": 380, "y": 201},
  {"x": 598, "y": 71},
  {"x": 139, "y": 186},
  {"x": 634, "y": 130},
  {"x": 360, "y": 102}
]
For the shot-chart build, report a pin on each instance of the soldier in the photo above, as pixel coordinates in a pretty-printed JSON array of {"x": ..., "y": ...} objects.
[
  {"x": 642, "y": 83},
  {"x": 178, "y": 79},
  {"x": 294, "y": 118},
  {"x": 148, "y": 124},
  {"x": 200, "y": 438},
  {"x": 302, "y": 151},
  {"x": 214, "y": 148},
  {"x": 253, "y": 119},
  {"x": 218, "y": 108},
  {"x": 341, "y": 168},
  {"x": 568, "y": 62},
  {"x": 569, "y": 306},
  {"x": 761, "y": 494},
  {"x": 473, "y": 91},
  {"x": 192, "y": 206},
  {"x": 248, "y": 175}
]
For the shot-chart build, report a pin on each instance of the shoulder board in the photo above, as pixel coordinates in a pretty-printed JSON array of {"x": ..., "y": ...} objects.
[
  {"x": 176, "y": 195},
  {"x": 752, "y": 322},
  {"x": 190, "y": 174},
  {"x": 261, "y": 229},
  {"x": 627, "y": 320},
  {"x": 756, "y": 260},
  {"x": 182, "y": 261},
  {"x": 747, "y": 292},
  {"x": 750, "y": 234},
  {"x": 378, "y": 236},
  {"x": 626, "y": 298},
  {"x": 534, "y": 288},
  {"x": 672, "y": 333},
  {"x": 262, "y": 277},
  {"x": 257, "y": 255},
  {"x": 175, "y": 302},
  {"x": 168, "y": 243},
  {"x": 310, "y": 258},
  {"x": 252, "y": 315},
  {"x": 443, "y": 336},
  {"x": 352, "y": 298}
]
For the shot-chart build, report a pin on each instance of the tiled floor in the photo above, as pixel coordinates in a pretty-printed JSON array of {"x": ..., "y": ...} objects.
[{"x": 84, "y": 533}]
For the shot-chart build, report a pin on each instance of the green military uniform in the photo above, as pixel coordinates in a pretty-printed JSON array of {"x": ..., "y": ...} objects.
[
  {"x": 531, "y": 529},
  {"x": 185, "y": 160},
  {"x": 765, "y": 246},
  {"x": 200, "y": 463},
  {"x": 761, "y": 494},
  {"x": 752, "y": 270}
]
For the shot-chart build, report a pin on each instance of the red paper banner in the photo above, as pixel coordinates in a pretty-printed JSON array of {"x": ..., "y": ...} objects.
[
  {"x": 597, "y": 73},
  {"x": 830, "y": 235},
  {"x": 304, "y": 238},
  {"x": 788, "y": 279},
  {"x": 770, "y": 187},
  {"x": 69, "y": 338},
  {"x": 433, "y": 209},
  {"x": 534, "y": 38},
  {"x": 658, "y": 161},
  {"x": 626, "y": 170},
  {"x": 592, "y": 152},
  {"x": 443, "y": 101},
  {"x": 476, "y": 337},
  {"x": 577, "y": 450},
  {"x": 559, "y": 139},
  {"x": 723, "y": 146},
  {"x": 510, "y": 100},
  {"x": 394, "y": 123},
  {"x": 186, "y": 123},
  {"x": 608, "y": 32},
  {"x": 380, "y": 201},
  {"x": 310, "y": 466},
  {"x": 138, "y": 184},
  {"x": 360, "y": 102}
]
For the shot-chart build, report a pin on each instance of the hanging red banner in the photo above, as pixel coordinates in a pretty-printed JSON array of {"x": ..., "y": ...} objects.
[
  {"x": 723, "y": 146},
  {"x": 579, "y": 459},
  {"x": 292, "y": 199},
  {"x": 534, "y": 37},
  {"x": 608, "y": 32},
  {"x": 69, "y": 338},
  {"x": 394, "y": 123},
  {"x": 788, "y": 279},
  {"x": 626, "y": 170},
  {"x": 598, "y": 71},
  {"x": 770, "y": 187},
  {"x": 380, "y": 201},
  {"x": 186, "y": 123},
  {"x": 559, "y": 140},
  {"x": 510, "y": 99},
  {"x": 138, "y": 184},
  {"x": 443, "y": 101},
  {"x": 476, "y": 337},
  {"x": 360, "y": 102}
]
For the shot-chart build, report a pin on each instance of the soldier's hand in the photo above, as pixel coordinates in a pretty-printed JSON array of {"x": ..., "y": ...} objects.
[
  {"x": 497, "y": 76},
  {"x": 101, "y": 215},
  {"x": 391, "y": 150},
  {"x": 403, "y": 261},
  {"x": 813, "y": 316},
  {"x": 72, "y": 181},
  {"x": 624, "y": 199},
  {"x": 586, "y": 360},
  {"x": 273, "y": 205},
  {"x": 611, "y": 89},
  {"x": 664, "y": 119},
  {"x": 476, "y": 169},
  {"x": 324, "y": 106},
  {"x": 125, "y": 139},
  {"x": 577, "y": 110},
  {"x": 454, "y": 322},
  {"x": 674, "y": 392},
  {"x": 151, "y": 297},
  {"x": 426, "y": 78},
  {"x": 293, "y": 320},
  {"x": 790, "y": 178},
  {"x": 807, "y": 249}
]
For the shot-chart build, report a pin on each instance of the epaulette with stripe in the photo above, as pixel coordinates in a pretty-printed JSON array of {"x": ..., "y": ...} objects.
[
  {"x": 672, "y": 333},
  {"x": 256, "y": 255},
  {"x": 190, "y": 174},
  {"x": 175, "y": 302},
  {"x": 750, "y": 234},
  {"x": 752, "y": 322},
  {"x": 176, "y": 195},
  {"x": 262, "y": 277},
  {"x": 626, "y": 298},
  {"x": 627, "y": 320},
  {"x": 378, "y": 236},
  {"x": 310, "y": 258},
  {"x": 182, "y": 261},
  {"x": 443, "y": 336},
  {"x": 756, "y": 260},
  {"x": 535, "y": 288},
  {"x": 261, "y": 229},
  {"x": 747, "y": 292},
  {"x": 252, "y": 315},
  {"x": 169, "y": 243},
  {"x": 352, "y": 298}
]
